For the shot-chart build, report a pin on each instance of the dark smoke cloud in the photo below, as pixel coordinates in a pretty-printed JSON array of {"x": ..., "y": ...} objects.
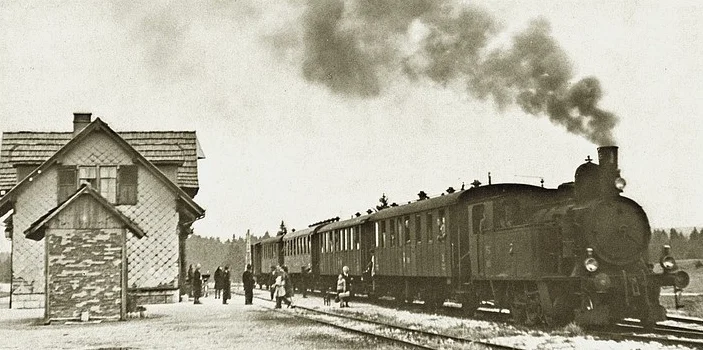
[{"x": 353, "y": 47}]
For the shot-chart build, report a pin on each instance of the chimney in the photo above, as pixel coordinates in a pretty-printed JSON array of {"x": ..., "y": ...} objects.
[
  {"x": 80, "y": 121},
  {"x": 608, "y": 162}
]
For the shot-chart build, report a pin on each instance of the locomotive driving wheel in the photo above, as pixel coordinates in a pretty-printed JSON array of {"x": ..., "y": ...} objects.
[{"x": 526, "y": 308}]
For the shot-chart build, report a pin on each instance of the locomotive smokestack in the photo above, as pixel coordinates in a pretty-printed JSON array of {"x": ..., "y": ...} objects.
[
  {"x": 609, "y": 172},
  {"x": 608, "y": 157}
]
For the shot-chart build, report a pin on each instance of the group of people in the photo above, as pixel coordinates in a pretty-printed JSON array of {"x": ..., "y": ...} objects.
[
  {"x": 223, "y": 284},
  {"x": 280, "y": 285}
]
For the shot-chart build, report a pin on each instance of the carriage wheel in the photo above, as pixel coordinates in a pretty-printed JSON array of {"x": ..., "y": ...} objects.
[
  {"x": 562, "y": 311},
  {"x": 470, "y": 302}
]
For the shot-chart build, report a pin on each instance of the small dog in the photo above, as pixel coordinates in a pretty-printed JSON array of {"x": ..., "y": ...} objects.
[{"x": 327, "y": 298}]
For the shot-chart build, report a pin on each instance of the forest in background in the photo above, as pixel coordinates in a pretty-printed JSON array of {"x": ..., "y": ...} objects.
[{"x": 212, "y": 252}]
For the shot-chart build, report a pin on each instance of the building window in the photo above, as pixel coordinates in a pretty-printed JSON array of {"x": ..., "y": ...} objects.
[
  {"x": 88, "y": 175},
  {"x": 127, "y": 182},
  {"x": 108, "y": 183},
  {"x": 67, "y": 182},
  {"x": 116, "y": 184}
]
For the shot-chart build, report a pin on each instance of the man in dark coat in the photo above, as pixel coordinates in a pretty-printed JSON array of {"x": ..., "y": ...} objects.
[
  {"x": 226, "y": 285},
  {"x": 248, "y": 280},
  {"x": 218, "y": 282},
  {"x": 197, "y": 285}
]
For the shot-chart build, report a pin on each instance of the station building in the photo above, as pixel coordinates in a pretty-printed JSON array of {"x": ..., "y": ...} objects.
[{"x": 94, "y": 211}]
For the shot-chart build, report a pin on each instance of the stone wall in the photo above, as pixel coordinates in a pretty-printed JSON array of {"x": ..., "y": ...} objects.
[{"x": 84, "y": 273}]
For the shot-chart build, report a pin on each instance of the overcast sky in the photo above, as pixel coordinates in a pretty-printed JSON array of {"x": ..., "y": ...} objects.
[{"x": 307, "y": 112}]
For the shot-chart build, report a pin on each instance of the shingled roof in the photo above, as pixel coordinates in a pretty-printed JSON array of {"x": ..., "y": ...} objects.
[{"x": 28, "y": 147}]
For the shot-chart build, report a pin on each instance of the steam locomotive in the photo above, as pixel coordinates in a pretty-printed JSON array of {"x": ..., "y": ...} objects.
[{"x": 575, "y": 253}]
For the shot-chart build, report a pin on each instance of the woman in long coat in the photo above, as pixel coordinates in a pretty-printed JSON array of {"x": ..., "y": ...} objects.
[{"x": 226, "y": 285}]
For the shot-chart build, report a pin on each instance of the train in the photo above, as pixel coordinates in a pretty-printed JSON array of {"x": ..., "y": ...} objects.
[{"x": 575, "y": 253}]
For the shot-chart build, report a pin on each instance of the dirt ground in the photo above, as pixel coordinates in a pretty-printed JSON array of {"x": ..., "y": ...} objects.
[{"x": 181, "y": 326}]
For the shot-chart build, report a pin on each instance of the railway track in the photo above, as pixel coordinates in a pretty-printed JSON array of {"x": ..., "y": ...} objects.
[
  {"x": 406, "y": 336},
  {"x": 667, "y": 334}
]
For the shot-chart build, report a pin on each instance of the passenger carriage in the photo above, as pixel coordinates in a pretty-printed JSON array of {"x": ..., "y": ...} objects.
[
  {"x": 266, "y": 254},
  {"x": 297, "y": 252},
  {"x": 343, "y": 243}
]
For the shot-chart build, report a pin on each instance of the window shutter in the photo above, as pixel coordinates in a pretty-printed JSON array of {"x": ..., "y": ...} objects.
[
  {"x": 67, "y": 182},
  {"x": 127, "y": 183}
]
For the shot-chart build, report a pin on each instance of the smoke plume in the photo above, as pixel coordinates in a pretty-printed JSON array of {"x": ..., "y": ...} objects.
[{"x": 352, "y": 47}]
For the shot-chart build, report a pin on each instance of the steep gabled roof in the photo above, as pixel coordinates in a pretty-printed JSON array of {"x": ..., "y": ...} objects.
[
  {"x": 33, "y": 148},
  {"x": 36, "y": 230},
  {"x": 99, "y": 125}
]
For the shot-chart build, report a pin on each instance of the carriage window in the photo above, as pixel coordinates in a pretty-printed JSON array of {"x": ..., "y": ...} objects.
[
  {"x": 429, "y": 228},
  {"x": 441, "y": 226},
  {"x": 339, "y": 240},
  {"x": 357, "y": 240},
  {"x": 401, "y": 234},
  {"x": 383, "y": 234},
  {"x": 346, "y": 239},
  {"x": 418, "y": 228},
  {"x": 476, "y": 217},
  {"x": 377, "y": 233},
  {"x": 406, "y": 229},
  {"x": 347, "y": 232},
  {"x": 391, "y": 224}
]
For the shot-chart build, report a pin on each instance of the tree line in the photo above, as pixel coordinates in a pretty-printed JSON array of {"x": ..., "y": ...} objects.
[{"x": 682, "y": 246}]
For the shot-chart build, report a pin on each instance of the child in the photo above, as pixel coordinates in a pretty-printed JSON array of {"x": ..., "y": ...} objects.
[{"x": 341, "y": 291}]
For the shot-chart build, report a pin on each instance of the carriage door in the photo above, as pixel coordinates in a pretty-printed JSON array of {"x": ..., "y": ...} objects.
[{"x": 479, "y": 223}]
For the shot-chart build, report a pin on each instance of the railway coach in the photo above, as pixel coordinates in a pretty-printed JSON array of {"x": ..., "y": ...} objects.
[
  {"x": 344, "y": 243},
  {"x": 266, "y": 254}
]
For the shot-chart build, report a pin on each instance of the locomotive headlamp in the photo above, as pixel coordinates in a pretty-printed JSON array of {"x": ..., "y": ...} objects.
[
  {"x": 668, "y": 263},
  {"x": 591, "y": 264},
  {"x": 620, "y": 183}
]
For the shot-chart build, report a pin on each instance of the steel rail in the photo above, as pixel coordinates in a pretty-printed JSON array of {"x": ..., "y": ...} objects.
[{"x": 392, "y": 326}]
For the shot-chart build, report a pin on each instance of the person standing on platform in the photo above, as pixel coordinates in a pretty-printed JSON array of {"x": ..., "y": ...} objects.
[
  {"x": 197, "y": 285},
  {"x": 218, "y": 282},
  {"x": 226, "y": 285},
  {"x": 272, "y": 280},
  {"x": 248, "y": 280}
]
